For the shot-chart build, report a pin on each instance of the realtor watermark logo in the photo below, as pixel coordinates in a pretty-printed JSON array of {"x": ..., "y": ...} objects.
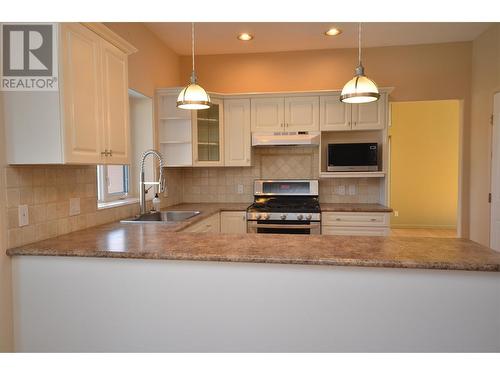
[{"x": 29, "y": 57}]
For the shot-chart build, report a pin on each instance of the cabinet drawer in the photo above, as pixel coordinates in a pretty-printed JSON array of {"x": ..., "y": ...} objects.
[
  {"x": 209, "y": 225},
  {"x": 358, "y": 219},
  {"x": 354, "y": 231}
]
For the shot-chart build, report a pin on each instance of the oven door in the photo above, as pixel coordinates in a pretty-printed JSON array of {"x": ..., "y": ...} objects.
[{"x": 280, "y": 227}]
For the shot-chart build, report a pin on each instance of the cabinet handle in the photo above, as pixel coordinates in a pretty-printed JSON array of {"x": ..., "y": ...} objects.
[
  {"x": 373, "y": 219},
  {"x": 110, "y": 152},
  {"x": 338, "y": 219},
  {"x": 105, "y": 153}
]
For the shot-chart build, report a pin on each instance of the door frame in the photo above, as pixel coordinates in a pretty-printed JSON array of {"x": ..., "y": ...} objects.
[
  {"x": 492, "y": 143},
  {"x": 462, "y": 221}
]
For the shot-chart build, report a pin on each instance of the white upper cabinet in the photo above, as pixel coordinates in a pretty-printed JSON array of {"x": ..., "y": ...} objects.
[
  {"x": 338, "y": 116},
  {"x": 370, "y": 116},
  {"x": 301, "y": 113},
  {"x": 115, "y": 103},
  {"x": 334, "y": 114},
  {"x": 237, "y": 138},
  {"x": 208, "y": 135},
  {"x": 292, "y": 113},
  {"x": 82, "y": 93},
  {"x": 87, "y": 120},
  {"x": 268, "y": 114}
]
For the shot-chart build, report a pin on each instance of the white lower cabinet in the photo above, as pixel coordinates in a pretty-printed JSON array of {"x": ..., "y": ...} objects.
[
  {"x": 209, "y": 225},
  {"x": 355, "y": 223},
  {"x": 233, "y": 222}
]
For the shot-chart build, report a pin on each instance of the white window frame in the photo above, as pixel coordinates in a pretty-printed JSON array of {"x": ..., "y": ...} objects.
[{"x": 102, "y": 182}]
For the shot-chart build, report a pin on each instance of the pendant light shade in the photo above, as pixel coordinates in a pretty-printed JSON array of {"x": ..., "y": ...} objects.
[
  {"x": 360, "y": 89},
  {"x": 193, "y": 96}
]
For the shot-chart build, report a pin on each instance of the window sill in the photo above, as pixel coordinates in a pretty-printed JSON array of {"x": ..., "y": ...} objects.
[{"x": 117, "y": 203}]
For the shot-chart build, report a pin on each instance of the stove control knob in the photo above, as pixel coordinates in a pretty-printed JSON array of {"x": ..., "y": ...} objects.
[
  {"x": 300, "y": 217},
  {"x": 259, "y": 216},
  {"x": 309, "y": 216},
  {"x": 265, "y": 216},
  {"x": 283, "y": 216}
]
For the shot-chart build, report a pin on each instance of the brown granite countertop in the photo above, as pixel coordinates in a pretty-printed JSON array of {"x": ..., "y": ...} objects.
[
  {"x": 158, "y": 241},
  {"x": 354, "y": 207}
]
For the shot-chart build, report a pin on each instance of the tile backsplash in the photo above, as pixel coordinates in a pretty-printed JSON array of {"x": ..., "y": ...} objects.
[
  {"x": 221, "y": 184},
  {"x": 47, "y": 190}
]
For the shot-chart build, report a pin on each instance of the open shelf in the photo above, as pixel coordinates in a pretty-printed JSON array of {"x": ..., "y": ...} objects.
[{"x": 378, "y": 174}]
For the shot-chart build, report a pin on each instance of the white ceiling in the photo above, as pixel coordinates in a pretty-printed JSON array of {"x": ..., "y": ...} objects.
[{"x": 220, "y": 37}]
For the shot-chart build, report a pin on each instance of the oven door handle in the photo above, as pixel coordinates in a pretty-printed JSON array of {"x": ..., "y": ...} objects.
[{"x": 285, "y": 226}]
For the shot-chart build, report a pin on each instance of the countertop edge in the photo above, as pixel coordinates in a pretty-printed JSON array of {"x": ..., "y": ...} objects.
[{"x": 443, "y": 266}]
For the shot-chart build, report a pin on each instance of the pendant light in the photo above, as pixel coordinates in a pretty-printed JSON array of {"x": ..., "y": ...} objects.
[
  {"x": 193, "y": 96},
  {"x": 360, "y": 89}
]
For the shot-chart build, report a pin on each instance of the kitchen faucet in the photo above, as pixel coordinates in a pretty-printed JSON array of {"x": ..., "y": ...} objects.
[{"x": 142, "y": 184}]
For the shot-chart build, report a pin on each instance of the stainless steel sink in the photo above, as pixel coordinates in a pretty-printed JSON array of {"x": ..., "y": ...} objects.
[{"x": 164, "y": 217}]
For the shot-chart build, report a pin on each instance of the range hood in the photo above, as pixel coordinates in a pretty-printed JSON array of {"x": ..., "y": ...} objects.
[{"x": 285, "y": 138}]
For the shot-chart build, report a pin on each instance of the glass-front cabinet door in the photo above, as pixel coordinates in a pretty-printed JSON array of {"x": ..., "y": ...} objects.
[{"x": 208, "y": 135}]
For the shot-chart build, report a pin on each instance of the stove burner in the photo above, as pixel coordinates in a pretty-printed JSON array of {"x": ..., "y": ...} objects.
[{"x": 285, "y": 204}]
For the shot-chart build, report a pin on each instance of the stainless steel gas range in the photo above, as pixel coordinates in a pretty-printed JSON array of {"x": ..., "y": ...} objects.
[{"x": 285, "y": 206}]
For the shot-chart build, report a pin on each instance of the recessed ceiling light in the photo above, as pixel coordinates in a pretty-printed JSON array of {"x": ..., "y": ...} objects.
[
  {"x": 245, "y": 37},
  {"x": 333, "y": 31}
]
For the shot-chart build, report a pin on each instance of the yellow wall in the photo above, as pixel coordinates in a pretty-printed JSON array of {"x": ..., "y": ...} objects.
[{"x": 424, "y": 163}]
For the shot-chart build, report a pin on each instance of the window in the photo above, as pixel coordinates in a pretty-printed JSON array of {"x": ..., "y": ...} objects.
[{"x": 112, "y": 182}]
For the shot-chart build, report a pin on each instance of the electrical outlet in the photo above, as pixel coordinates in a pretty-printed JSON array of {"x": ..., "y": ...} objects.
[
  {"x": 396, "y": 213},
  {"x": 74, "y": 206},
  {"x": 352, "y": 190},
  {"x": 240, "y": 188},
  {"x": 340, "y": 189},
  {"x": 23, "y": 215}
]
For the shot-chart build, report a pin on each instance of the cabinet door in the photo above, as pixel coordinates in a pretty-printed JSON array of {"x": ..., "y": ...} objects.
[
  {"x": 208, "y": 225},
  {"x": 237, "y": 137},
  {"x": 334, "y": 114},
  {"x": 302, "y": 113},
  {"x": 82, "y": 94},
  {"x": 233, "y": 222},
  {"x": 268, "y": 114},
  {"x": 370, "y": 116},
  {"x": 208, "y": 130},
  {"x": 116, "y": 127}
]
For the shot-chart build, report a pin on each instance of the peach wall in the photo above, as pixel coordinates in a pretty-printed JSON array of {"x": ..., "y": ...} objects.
[
  {"x": 154, "y": 65},
  {"x": 423, "y": 72},
  {"x": 485, "y": 82},
  {"x": 420, "y": 72}
]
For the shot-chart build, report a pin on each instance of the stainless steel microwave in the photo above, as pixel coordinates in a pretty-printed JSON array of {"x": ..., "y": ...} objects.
[{"x": 348, "y": 157}]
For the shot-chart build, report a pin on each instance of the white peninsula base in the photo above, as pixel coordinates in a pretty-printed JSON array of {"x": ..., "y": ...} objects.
[{"x": 77, "y": 304}]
